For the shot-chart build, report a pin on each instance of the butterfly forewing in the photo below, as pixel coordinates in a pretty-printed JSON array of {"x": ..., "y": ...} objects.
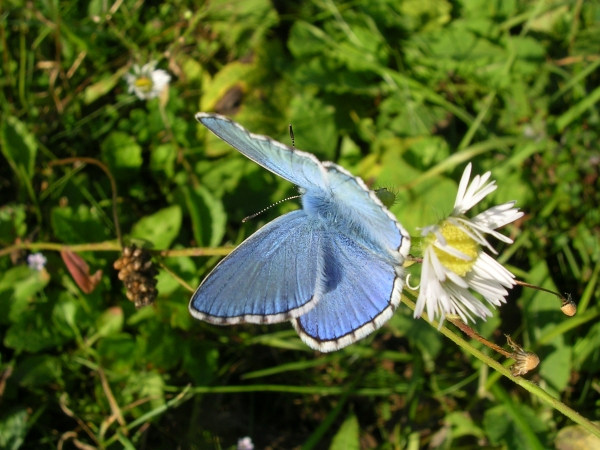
[{"x": 298, "y": 167}]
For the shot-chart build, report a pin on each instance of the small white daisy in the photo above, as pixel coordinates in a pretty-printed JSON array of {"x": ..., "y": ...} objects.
[
  {"x": 147, "y": 82},
  {"x": 453, "y": 259},
  {"x": 245, "y": 444},
  {"x": 36, "y": 261}
]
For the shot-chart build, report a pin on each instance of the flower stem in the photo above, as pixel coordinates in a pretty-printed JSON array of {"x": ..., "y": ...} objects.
[{"x": 524, "y": 383}]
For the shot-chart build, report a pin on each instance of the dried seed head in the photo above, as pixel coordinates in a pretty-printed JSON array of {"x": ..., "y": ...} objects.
[
  {"x": 525, "y": 361},
  {"x": 569, "y": 308},
  {"x": 138, "y": 275}
]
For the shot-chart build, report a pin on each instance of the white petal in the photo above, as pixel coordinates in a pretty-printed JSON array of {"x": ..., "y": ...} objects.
[{"x": 462, "y": 187}]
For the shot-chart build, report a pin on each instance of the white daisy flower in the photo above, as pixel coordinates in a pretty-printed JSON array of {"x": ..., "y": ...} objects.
[
  {"x": 245, "y": 444},
  {"x": 454, "y": 263},
  {"x": 36, "y": 261},
  {"x": 147, "y": 82}
]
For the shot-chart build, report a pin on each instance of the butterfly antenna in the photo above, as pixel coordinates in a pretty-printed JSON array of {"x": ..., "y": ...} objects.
[
  {"x": 269, "y": 207},
  {"x": 292, "y": 137}
]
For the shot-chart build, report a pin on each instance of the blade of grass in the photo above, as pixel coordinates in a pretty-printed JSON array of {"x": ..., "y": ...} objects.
[{"x": 578, "y": 109}]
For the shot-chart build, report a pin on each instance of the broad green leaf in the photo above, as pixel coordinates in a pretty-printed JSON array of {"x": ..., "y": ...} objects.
[
  {"x": 303, "y": 42},
  {"x": 183, "y": 267},
  {"x": 78, "y": 226},
  {"x": 233, "y": 74},
  {"x": 122, "y": 154},
  {"x": 241, "y": 25},
  {"x": 148, "y": 385},
  {"x": 13, "y": 428},
  {"x": 426, "y": 15},
  {"x": 110, "y": 321},
  {"x": 162, "y": 160},
  {"x": 64, "y": 315},
  {"x": 118, "y": 352},
  {"x": 12, "y": 223},
  {"x": 314, "y": 126},
  {"x": 18, "y": 286},
  {"x": 347, "y": 437},
  {"x": 463, "y": 425},
  {"x": 160, "y": 228},
  {"x": 161, "y": 345},
  {"x": 517, "y": 426},
  {"x": 37, "y": 371},
  {"x": 18, "y": 145},
  {"x": 207, "y": 215}
]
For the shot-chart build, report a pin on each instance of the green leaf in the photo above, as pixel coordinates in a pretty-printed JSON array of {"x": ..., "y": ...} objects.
[
  {"x": 122, "y": 154},
  {"x": 160, "y": 228},
  {"x": 18, "y": 146},
  {"x": 37, "y": 371},
  {"x": 515, "y": 426},
  {"x": 347, "y": 437},
  {"x": 184, "y": 267},
  {"x": 426, "y": 15},
  {"x": 314, "y": 126},
  {"x": 162, "y": 160},
  {"x": 110, "y": 321},
  {"x": 303, "y": 42},
  {"x": 64, "y": 315},
  {"x": 233, "y": 74},
  {"x": 463, "y": 425},
  {"x": 12, "y": 223},
  {"x": 13, "y": 429},
  {"x": 18, "y": 286},
  {"x": 118, "y": 352},
  {"x": 78, "y": 226},
  {"x": 207, "y": 215}
]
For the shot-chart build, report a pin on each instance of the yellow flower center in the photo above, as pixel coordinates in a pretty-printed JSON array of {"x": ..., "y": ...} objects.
[
  {"x": 144, "y": 83},
  {"x": 459, "y": 240}
]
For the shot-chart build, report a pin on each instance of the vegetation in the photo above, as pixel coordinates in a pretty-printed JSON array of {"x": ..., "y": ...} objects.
[{"x": 402, "y": 94}]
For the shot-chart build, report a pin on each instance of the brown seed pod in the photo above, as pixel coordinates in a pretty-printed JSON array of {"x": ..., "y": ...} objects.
[{"x": 138, "y": 275}]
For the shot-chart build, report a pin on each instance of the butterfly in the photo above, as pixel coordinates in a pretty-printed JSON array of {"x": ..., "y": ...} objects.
[{"x": 332, "y": 268}]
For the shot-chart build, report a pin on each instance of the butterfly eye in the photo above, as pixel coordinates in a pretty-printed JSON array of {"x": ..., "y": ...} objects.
[{"x": 386, "y": 197}]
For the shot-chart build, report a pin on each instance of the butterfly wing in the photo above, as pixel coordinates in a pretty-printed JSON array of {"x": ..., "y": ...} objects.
[
  {"x": 360, "y": 292},
  {"x": 368, "y": 220},
  {"x": 296, "y": 166},
  {"x": 268, "y": 278}
]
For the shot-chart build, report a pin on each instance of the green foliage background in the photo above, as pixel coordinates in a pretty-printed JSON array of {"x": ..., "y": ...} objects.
[{"x": 402, "y": 93}]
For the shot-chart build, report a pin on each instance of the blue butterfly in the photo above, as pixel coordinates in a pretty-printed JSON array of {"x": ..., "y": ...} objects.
[{"x": 333, "y": 268}]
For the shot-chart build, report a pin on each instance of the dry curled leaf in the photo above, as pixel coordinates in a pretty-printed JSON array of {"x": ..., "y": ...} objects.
[{"x": 80, "y": 271}]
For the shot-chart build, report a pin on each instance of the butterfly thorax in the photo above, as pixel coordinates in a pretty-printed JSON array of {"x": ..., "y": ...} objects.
[{"x": 342, "y": 218}]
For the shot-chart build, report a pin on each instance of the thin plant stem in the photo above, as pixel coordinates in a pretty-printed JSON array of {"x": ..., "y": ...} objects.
[
  {"x": 476, "y": 336},
  {"x": 112, "y": 246},
  {"x": 533, "y": 388}
]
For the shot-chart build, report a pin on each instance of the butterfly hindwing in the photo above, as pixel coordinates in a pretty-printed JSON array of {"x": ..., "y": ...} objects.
[
  {"x": 269, "y": 278},
  {"x": 361, "y": 290},
  {"x": 296, "y": 166}
]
